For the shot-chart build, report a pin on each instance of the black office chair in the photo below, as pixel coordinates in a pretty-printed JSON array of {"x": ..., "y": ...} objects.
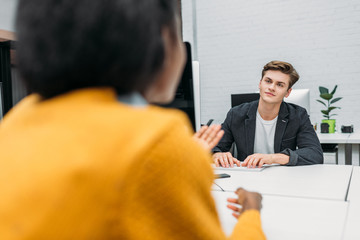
[{"x": 237, "y": 99}]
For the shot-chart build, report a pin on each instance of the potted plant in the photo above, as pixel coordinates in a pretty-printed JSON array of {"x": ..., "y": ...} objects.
[{"x": 328, "y": 97}]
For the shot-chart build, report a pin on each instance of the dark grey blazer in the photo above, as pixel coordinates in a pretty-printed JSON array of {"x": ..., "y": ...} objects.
[{"x": 294, "y": 134}]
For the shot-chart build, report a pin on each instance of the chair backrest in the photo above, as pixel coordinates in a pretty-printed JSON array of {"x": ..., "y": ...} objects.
[
  {"x": 300, "y": 97},
  {"x": 237, "y": 99}
]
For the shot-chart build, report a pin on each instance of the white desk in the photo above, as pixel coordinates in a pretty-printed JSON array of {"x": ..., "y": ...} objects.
[
  {"x": 344, "y": 140},
  {"x": 333, "y": 137},
  {"x": 215, "y": 187},
  {"x": 292, "y": 218},
  {"x": 354, "y": 189},
  {"x": 352, "y": 225},
  {"x": 336, "y": 138},
  {"x": 354, "y": 140},
  {"x": 315, "y": 181}
]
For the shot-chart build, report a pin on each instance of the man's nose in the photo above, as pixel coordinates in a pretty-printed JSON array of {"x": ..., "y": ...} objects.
[{"x": 272, "y": 86}]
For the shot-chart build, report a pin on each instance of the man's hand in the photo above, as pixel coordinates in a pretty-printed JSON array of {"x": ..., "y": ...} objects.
[
  {"x": 225, "y": 160},
  {"x": 246, "y": 200},
  {"x": 259, "y": 159},
  {"x": 208, "y": 137}
]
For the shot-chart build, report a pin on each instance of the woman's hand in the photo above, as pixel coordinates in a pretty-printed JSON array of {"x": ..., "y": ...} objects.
[
  {"x": 208, "y": 137},
  {"x": 246, "y": 200}
]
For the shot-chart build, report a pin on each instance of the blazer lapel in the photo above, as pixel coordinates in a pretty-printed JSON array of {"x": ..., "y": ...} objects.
[
  {"x": 280, "y": 127},
  {"x": 250, "y": 124}
]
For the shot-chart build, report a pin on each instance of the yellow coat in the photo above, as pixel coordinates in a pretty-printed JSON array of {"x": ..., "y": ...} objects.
[{"x": 84, "y": 166}]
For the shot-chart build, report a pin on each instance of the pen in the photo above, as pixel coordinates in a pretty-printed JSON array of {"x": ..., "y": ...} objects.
[{"x": 209, "y": 122}]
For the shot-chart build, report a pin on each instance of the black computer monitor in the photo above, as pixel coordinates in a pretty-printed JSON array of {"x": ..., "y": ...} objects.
[
  {"x": 12, "y": 89},
  {"x": 185, "y": 89},
  {"x": 184, "y": 97},
  {"x": 237, "y": 99}
]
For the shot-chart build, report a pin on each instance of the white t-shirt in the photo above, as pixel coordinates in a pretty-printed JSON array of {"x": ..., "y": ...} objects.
[{"x": 264, "y": 135}]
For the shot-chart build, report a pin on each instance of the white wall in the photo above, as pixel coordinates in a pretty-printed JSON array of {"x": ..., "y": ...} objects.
[
  {"x": 234, "y": 39},
  {"x": 189, "y": 24},
  {"x": 7, "y": 14}
]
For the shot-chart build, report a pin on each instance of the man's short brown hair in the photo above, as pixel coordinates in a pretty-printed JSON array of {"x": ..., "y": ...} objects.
[{"x": 283, "y": 67}]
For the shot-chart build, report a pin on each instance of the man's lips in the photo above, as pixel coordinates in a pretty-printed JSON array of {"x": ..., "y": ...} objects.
[{"x": 270, "y": 94}]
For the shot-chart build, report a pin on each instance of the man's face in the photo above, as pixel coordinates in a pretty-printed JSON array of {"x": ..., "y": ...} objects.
[{"x": 274, "y": 86}]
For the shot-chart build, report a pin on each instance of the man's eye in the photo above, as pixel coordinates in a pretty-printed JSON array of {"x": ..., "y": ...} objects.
[{"x": 281, "y": 85}]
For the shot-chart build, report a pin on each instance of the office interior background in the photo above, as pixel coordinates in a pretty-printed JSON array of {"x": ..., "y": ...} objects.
[{"x": 233, "y": 40}]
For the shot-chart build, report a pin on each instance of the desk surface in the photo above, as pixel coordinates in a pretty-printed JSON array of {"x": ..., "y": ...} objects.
[
  {"x": 354, "y": 188},
  {"x": 292, "y": 218},
  {"x": 315, "y": 181},
  {"x": 353, "y": 220},
  {"x": 354, "y": 138},
  {"x": 333, "y": 137},
  {"x": 340, "y": 138},
  {"x": 352, "y": 223}
]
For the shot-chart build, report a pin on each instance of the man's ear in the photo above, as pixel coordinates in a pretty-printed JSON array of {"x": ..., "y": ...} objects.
[{"x": 288, "y": 92}]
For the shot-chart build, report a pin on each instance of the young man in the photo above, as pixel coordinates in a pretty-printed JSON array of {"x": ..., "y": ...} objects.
[{"x": 268, "y": 130}]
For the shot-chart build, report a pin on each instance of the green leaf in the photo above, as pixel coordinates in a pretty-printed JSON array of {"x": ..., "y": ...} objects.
[
  {"x": 325, "y": 112},
  {"x": 321, "y": 102},
  {"x": 323, "y": 90},
  {"x": 331, "y": 108},
  {"x": 326, "y": 96},
  {"x": 334, "y": 90},
  {"x": 335, "y": 99}
]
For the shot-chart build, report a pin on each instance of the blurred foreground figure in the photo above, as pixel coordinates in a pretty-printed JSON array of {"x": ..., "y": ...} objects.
[{"x": 85, "y": 156}]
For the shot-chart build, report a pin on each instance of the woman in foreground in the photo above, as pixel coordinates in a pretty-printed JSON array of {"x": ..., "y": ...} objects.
[{"x": 85, "y": 156}]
